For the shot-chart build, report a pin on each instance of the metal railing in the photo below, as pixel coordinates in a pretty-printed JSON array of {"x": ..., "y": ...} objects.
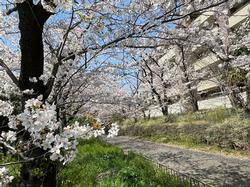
[{"x": 191, "y": 181}]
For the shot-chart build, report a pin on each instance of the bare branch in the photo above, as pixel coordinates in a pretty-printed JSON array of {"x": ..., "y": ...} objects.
[
  {"x": 9, "y": 72},
  {"x": 10, "y": 11}
]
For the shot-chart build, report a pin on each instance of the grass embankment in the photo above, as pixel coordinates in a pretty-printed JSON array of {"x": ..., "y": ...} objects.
[
  {"x": 219, "y": 130},
  {"x": 99, "y": 164},
  {"x": 102, "y": 165}
]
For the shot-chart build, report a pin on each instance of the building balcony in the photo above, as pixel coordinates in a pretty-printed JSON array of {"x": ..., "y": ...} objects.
[
  {"x": 239, "y": 16},
  {"x": 168, "y": 56},
  {"x": 206, "y": 16},
  {"x": 207, "y": 85},
  {"x": 209, "y": 60}
]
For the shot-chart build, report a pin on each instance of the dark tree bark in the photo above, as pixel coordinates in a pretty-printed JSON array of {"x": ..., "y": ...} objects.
[
  {"x": 31, "y": 22},
  {"x": 50, "y": 176},
  {"x": 4, "y": 128},
  {"x": 192, "y": 99},
  {"x": 191, "y": 96},
  {"x": 163, "y": 103},
  {"x": 235, "y": 99},
  {"x": 164, "y": 110}
]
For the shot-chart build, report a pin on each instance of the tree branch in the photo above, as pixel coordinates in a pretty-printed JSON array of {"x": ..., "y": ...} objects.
[
  {"x": 10, "y": 11},
  {"x": 9, "y": 72}
]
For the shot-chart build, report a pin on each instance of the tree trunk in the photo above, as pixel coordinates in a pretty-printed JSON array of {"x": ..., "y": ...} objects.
[
  {"x": 144, "y": 114},
  {"x": 191, "y": 96},
  {"x": 29, "y": 180},
  {"x": 31, "y": 21},
  {"x": 247, "y": 108},
  {"x": 50, "y": 177},
  {"x": 236, "y": 100},
  {"x": 192, "y": 101},
  {"x": 164, "y": 110},
  {"x": 38, "y": 173},
  {"x": 4, "y": 128},
  {"x": 163, "y": 103}
]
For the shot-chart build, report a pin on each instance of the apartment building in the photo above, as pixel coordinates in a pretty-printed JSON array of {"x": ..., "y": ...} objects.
[{"x": 210, "y": 94}]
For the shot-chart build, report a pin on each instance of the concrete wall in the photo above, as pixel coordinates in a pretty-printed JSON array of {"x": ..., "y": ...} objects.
[{"x": 221, "y": 101}]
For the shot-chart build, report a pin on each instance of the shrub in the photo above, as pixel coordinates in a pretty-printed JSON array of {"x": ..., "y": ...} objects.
[
  {"x": 233, "y": 133},
  {"x": 117, "y": 117},
  {"x": 218, "y": 115}
]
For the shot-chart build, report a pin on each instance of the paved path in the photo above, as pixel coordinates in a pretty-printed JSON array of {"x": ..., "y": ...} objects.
[{"x": 213, "y": 169}]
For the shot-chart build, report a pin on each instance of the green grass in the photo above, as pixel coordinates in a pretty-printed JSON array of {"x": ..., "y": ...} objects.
[
  {"x": 13, "y": 170},
  {"x": 217, "y": 115},
  {"x": 99, "y": 164}
]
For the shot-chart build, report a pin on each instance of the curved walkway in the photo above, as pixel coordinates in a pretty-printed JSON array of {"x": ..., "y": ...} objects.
[{"x": 213, "y": 169}]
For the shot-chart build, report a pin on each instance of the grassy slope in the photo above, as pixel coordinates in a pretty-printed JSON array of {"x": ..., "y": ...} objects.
[
  {"x": 219, "y": 130},
  {"x": 99, "y": 164},
  {"x": 102, "y": 165}
]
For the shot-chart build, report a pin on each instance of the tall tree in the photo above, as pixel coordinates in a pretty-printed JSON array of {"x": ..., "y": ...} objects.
[
  {"x": 78, "y": 40},
  {"x": 231, "y": 48}
]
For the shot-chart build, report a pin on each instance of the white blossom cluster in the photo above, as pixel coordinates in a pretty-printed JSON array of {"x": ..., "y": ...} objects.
[
  {"x": 5, "y": 179},
  {"x": 38, "y": 116},
  {"x": 9, "y": 136},
  {"x": 40, "y": 121},
  {"x": 113, "y": 131},
  {"x": 45, "y": 131},
  {"x": 5, "y": 108}
]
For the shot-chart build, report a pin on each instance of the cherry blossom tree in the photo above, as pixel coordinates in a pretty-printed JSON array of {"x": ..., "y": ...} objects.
[
  {"x": 159, "y": 78},
  {"x": 187, "y": 78},
  {"x": 48, "y": 77},
  {"x": 231, "y": 47},
  {"x": 189, "y": 36}
]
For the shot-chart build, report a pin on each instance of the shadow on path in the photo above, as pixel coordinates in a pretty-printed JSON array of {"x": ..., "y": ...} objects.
[{"x": 213, "y": 169}]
